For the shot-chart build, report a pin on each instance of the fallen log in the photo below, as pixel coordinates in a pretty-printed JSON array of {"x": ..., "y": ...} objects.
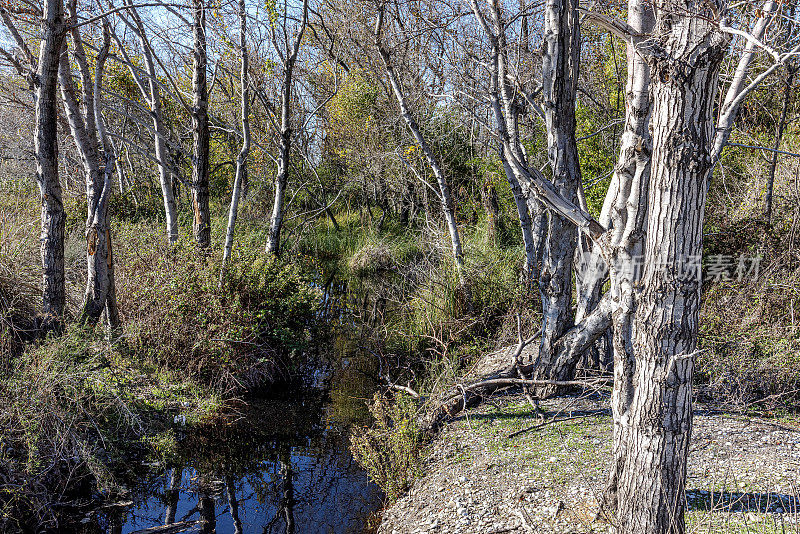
[{"x": 464, "y": 396}]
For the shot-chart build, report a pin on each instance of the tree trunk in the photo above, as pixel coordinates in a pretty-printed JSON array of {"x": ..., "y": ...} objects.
[
  {"x": 46, "y": 147},
  {"x": 152, "y": 94},
  {"x": 285, "y": 133},
  {"x": 492, "y": 209},
  {"x": 560, "y": 69},
  {"x": 87, "y": 128},
  {"x": 241, "y": 161},
  {"x": 787, "y": 97},
  {"x": 626, "y": 205},
  {"x": 448, "y": 209},
  {"x": 656, "y": 422},
  {"x": 200, "y": 165},
  {"x": 531, "y": 239},
  {"x": 281, "y": 180}
]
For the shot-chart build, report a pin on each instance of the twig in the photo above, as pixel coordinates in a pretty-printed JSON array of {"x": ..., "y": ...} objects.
[
  {"x": 529, "y": 382},
  {"x": 554, "y": 420},
  {"x": 405, "y": 389},
  {"x": 466, "y": 412}
]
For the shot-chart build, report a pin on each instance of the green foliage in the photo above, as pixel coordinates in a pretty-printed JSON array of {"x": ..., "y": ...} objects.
[
  {"x": 596, "y": 156},
  {"x": 76, "y": 411},
  {"x": 351, "y": 114},
  {"x": 230, "y": 334},
  {"x": 389, "y": 450}
]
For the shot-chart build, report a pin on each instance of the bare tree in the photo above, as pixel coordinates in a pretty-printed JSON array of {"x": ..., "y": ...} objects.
[
  {"x": 444, "y": 190},
  {"x": 200, "y": 128},
  {"x": 149, "y": 86},
  {"x": 88, "y": 130},
  {"x": 241, "y": 160},
  {"x": 656, "y": 323},
  {"x": 287, "y": 49},
  {"x": 42, "y": 75}
]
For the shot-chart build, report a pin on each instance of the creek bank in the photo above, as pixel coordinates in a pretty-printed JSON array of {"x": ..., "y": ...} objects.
[{"x": 477, "y": 479}]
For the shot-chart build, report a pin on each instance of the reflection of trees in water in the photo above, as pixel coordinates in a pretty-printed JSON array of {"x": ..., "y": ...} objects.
[
  {"x": 172, "y": 494},
  {"x": 281, "y": 471},
  {"x": 233, "y": 504}
]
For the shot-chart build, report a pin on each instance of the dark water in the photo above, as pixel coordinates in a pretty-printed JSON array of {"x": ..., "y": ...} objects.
[
  {"x": 284, "y": 464},
  {"x": 279, "y": 465}
]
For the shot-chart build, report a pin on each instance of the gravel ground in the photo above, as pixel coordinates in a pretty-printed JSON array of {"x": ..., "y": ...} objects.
[{"x": 744, "y": 474}]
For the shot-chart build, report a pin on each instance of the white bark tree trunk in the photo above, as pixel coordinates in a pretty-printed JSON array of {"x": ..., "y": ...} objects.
[
  {"x": 626, "y": 208},
  {"x": 285, "y": 136},
  {"x": 151, "y": 92},
  {"x": 46, "y": 148},
  {"x": 448, "y": 209},
  {"x": 656, "y": 421},
  {"x": 560, "y": 63},
  {"x": 87, "y": 128},
  {"x": 241, "y": 160}
]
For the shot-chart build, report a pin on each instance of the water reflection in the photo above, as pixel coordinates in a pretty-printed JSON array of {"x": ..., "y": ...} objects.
[
  {"x": 280, "y": 465},
  {"x": 272, "y": 470}
]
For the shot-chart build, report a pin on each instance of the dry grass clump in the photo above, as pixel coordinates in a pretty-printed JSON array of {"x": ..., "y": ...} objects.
[
  {"x": 751, "y": 333},
  {"x": 372, "y": 257},
  {"x": 750, "y": 324},
  {"x": 19, "y": 276}
]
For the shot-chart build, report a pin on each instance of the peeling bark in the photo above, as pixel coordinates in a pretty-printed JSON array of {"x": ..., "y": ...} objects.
[
  {"x": 46, "y": 148},
  {"x": 626, "y": 208},
  {"x": 560, "y": 68},
  {"x": 656, "y": 423},
  {"x": 87, "y": 128}
]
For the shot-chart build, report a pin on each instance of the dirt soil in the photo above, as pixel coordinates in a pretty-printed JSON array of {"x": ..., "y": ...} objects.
[{"x": 743, "y": 475}]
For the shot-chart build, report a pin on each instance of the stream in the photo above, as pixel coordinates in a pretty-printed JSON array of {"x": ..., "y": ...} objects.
[{"x": 279, "y": 464}]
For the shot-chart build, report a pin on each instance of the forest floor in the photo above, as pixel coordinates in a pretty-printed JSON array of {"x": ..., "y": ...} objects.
[{"x": 743, "y": 474}]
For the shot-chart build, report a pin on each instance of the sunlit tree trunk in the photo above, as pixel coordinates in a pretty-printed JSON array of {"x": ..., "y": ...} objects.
[
  {"x": 152, "y": 94},
  {"x": 446, "y": 198},
  {"x": 656, "y": 420},
  {"x": 285, "y": 136},
  {"x": 46, "y": 148},
  {"x": 560, "y": 70},
  {"x": 626, "y": 208},
  {"x": 241, "y": 161},
  {"x": 87, "y": 128}
]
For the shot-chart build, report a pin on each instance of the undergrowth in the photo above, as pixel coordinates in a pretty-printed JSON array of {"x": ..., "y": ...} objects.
[{"x": 389, "y": 450}]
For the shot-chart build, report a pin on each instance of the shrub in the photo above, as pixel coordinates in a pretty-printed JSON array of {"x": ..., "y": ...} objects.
[
  {"x": 389, "y": 450},
  {"x": 63, "y": 423},
  {"x": 231, "y": 334},
  {"x": 750, "y": 337}
]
